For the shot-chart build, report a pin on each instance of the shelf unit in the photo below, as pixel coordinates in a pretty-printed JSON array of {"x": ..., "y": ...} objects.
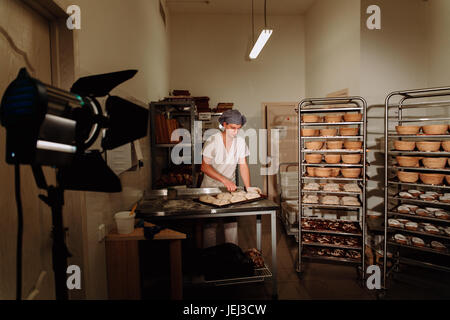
[
  {"x": 183, "y": 108},
  {"x": 171, "y": 109},
  {"x": 397, "y": 112},
  {"x": 325, "y": 106}
]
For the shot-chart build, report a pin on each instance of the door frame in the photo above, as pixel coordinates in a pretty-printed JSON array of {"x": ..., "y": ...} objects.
[
  {"x": 63, "y": 63},
  {"x": 264, "y": 125}
]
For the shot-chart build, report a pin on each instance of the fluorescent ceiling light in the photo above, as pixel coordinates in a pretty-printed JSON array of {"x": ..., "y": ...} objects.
[{"x": 262, "y": 39}]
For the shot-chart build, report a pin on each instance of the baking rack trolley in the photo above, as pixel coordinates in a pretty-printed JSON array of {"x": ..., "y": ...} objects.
[
  {"x": 403, "y": 108},
  {"x": 324, "y": 106}
]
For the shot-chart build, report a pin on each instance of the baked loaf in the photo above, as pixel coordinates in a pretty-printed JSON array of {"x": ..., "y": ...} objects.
[
  {"x": 331, "y": 187},
  {"x": 224, "y": 196},
  {"x": 395, "y": 223},
  {"x": 330, "y": 200},
  {"x": 350, "y": 201},
  {"x": 256, "y": 256},
  {"x": 352, "y": 187},
  {"x": 221, "y": 202},
  {"x": 237, "y": 198},
  {"x": 250, "y": 196},
  {"x": 438, "y": 246},
  {"x": 310, "y": 199},
  {"x": 207, "y": 199},
  {"x": 399, "y": 238},
  {"x": 312, "y": 186},
  {"x": 417, "y": 242},
  {"x": 238, "y": 193}
]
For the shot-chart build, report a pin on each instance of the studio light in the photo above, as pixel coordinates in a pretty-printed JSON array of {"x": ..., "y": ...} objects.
[{"x": 48, "y": 126}]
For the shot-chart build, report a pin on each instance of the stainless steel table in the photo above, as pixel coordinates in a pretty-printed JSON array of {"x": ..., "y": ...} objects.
[{"x": 162, "y": 207}]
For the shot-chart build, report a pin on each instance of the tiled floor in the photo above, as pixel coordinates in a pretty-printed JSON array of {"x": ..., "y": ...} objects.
[{"x": 317, "y": 281}]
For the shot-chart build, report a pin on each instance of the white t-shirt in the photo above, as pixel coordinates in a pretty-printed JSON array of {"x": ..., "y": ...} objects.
[{"x": 222, "y": 161}]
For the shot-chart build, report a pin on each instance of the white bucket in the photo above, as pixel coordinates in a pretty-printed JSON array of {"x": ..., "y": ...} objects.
[{"x": 124, "y": 222}]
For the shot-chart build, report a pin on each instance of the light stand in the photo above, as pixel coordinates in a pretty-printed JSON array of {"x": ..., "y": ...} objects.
[{"x": 52, "y": 127}]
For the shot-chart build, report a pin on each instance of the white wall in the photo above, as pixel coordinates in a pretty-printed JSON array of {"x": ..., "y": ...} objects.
[
  {"x": 332, "y": 47},
  {"x": 117, "y": 36},
  {"x": 393, "y": 58},
  {"x": 438, "y": 43},
  {"x": 209, "y": 58}
]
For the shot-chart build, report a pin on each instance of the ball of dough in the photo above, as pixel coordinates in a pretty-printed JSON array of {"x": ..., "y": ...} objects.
[
  {"x": 239, "y": 198},
  {"x": 250, "y": 196},
  {"x": 221, "y": 202},
  {"x": 224, "y": 196},
  {"x": 207, "y": 199}
]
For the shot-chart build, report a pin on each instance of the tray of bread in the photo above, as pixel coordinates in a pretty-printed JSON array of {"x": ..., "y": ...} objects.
[
  {"x": 331, "y": 201},
  {"x": 323, "y": 240},
  {"x": 420, "y": 244},
  {"x": 420, "y": 228},
  {"x": 331, "y": 226},
  {"x": 226, "y": 199},
  {"x": 425, "y": 213},
  {"x": 332, "y": 254},
  {"x": 350, "y": 188}
]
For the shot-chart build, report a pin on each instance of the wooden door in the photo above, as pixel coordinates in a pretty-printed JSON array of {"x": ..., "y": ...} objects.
[
  {"x": 25, "y": 41},
  {"x": 284, "y": 117}
]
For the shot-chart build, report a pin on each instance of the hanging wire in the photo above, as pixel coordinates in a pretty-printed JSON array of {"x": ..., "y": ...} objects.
[
  {"x": 265, "y": 14},
  {"x": 253, "y": 25}
]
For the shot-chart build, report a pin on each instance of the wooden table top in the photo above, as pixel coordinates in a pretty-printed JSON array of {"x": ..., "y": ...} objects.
[{"x": 138, "y": 234}]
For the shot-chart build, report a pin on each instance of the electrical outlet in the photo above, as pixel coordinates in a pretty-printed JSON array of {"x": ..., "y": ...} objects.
[{"x": 101, "y": 232}]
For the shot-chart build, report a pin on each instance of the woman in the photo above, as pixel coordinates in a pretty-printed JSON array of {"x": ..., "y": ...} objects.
[{"x": 221, "y": 154}]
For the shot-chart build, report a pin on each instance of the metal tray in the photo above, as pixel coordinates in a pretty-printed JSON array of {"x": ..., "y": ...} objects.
[
  {"x": 334, "y": 246},
  {"x": 421, "y": 232},
  {"x": 262, "y": 197},
  {"x": 325, "y": 124},
  {"x": 334, "y": 137},
  {"x": 423, "y": 249},
  {"x": 421, "y": 202},
  {"x": 415, "y": 216},
  {"x": 329, "y": 258},
  {"x": 421, "y": 185}
]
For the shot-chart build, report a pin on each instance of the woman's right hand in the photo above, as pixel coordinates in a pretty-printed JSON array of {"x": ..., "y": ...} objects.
[{"x": 231, "y": 186}]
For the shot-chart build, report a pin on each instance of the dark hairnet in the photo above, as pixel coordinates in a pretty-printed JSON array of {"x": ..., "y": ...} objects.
[{"x": 232, "y": 117}]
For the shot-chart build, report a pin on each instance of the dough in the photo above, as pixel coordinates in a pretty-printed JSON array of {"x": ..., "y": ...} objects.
[
  {"x": 253, "y": 190},
  {"x": 250, "y": 196},
  {"x": 221, "y": 202},
  {"x": 207, "y": 199},
  {"x": 332, "y": 187},
  {"x": 310, "y": 199},
  {"x": 330, "y": 200},
  {"x": 238, "y": 193},
  {"x": 350, "y": 201},
  {"x": 352, "y": 188},
  {"x": 235, "y": 199},
  {"x": 224, "y": 196},
  {"x": 312, "y": 186}
]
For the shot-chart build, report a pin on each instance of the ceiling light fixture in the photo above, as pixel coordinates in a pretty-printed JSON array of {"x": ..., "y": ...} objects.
[{"x": 263, "y": 37}]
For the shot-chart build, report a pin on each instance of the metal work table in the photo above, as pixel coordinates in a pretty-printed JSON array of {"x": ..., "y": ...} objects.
[{"x": 161, "y": 205}]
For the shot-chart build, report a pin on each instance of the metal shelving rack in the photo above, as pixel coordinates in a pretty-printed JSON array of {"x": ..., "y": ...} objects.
[
  {"x": 173, "y": 109},
  {"x": 324, "y": 106},
  {"x": 431, "y": 259}
]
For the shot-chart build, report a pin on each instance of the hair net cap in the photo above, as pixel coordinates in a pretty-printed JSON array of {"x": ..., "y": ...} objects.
[{"x": 232, "y": 117}]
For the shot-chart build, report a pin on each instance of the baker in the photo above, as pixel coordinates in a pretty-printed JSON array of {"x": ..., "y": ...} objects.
[{"x": 222, "y": 152}]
